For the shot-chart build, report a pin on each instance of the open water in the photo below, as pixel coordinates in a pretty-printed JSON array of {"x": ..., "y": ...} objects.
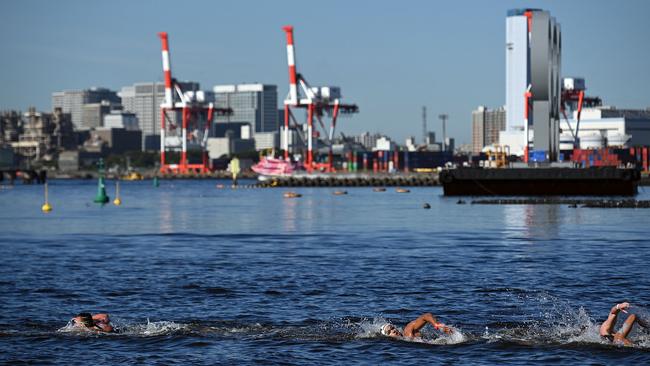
[{"x": 193, "y": 274}]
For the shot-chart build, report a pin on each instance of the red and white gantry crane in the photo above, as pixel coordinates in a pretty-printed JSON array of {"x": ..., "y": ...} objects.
[
  {"x": 193, "y": 109},
  {"x": 319, "y": 103}
]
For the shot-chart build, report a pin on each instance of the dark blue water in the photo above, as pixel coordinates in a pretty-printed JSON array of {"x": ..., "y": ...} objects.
[{"x": 193, "y": 274}]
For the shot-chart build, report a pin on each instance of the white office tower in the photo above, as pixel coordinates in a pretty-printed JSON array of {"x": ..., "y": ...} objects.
[{"x": 533, "y": 65}]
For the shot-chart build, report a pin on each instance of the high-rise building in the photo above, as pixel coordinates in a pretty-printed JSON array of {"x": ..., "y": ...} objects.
[
  {"x": 256, "y": 104},
  {"x": 92, "y": 114},
  {"x": 367, "y": 140},
  {"x": 72, "y": 101},
  {"x": 10, "y": 126},
  {"x": 121, "y": 119},
  {"x": 486, "y": 125},
  {"x": 144, "y": 100}
]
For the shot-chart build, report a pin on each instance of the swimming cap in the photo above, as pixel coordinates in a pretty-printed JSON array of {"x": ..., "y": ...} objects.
[{"x": 385, "y": 331}]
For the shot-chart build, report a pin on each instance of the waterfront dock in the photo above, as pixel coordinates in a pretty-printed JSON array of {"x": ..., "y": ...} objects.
[{"x": 354, "y": 180}]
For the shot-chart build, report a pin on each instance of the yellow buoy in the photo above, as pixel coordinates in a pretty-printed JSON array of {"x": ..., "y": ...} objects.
[
  {"x": 46, "y": 206},
  {"x": 117, "y": 201}
]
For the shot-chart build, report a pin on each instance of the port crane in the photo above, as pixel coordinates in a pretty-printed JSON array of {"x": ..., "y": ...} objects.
[
  {"x": 573, "y": 96},
  {"x": 193, "y": 107},
  {"x": 320, "y": 102}
]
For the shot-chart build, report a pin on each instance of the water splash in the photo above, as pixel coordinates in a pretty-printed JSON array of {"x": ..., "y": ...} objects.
[
  {"x": 550, "y": 320},
  {"x": 152, "y": 328},
  {"x": 370, "y": 328},
  {"x": 642, "y": 315},
  {"x": 148, "y": 329}
]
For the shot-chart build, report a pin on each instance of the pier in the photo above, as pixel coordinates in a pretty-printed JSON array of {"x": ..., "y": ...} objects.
[{"x": 354, "y": 180}]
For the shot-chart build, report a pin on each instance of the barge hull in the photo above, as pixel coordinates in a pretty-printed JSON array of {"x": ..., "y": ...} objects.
[{"x": 606, "y": 181}]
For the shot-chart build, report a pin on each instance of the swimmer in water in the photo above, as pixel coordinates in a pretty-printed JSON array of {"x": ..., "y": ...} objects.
[
  {"x": 412, "y": 329},
  {"x": 607, "y": 328},
  {"x": 97, "y": 322}
]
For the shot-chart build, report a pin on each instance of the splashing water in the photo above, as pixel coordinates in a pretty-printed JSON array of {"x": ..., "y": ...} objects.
[
  {"x": 142, "y": 330},
  {"x": 371, "y": 329},
  {"x": 152, "y": 328},
  {"x": 551, "y": 320},
  {"x": 642, "y": 315}
]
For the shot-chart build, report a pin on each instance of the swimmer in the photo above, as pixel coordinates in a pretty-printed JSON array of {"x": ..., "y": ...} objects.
[
  {"x": 412, "y": 329},
  {"x": 97, "y": 322},
  {"x": 607, "y": 327}
]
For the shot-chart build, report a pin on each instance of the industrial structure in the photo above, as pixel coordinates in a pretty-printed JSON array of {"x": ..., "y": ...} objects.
[
  {"x": 42, "y": 135},
  {"x": 594, "y": 126},
  {"x": 194, "y": 110},
  {"x": 534, "y": 99},
  {"x": 319, "y": 102},
  {"x": 538, "y": 102},
  {"x": 533, "y": 68}
]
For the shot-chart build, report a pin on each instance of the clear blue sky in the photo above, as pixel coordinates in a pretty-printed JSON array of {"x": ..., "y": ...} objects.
[{"x": 389, "y": 57}]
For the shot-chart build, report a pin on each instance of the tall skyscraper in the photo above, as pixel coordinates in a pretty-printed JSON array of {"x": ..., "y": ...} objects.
[
  {"x": 486, "y": 126},
  {"x": 72, "y": 101},
  {"x": 144, "y": 100},
  {"x": 256, "y": 104}
]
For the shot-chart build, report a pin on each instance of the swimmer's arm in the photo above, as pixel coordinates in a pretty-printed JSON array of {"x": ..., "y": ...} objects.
[
  {"x": 414, "y": 327},
  {"x": 104, "y": 318},
  {"x": 607, "y": 327},
  {"x": 103, "y": 322}
]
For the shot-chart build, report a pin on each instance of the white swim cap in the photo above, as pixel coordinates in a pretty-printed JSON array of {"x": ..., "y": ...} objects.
[{"x": 384, "y": 330}]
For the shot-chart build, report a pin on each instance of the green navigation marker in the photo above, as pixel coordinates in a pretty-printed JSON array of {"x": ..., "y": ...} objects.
[{"x": 101, "y": 187}]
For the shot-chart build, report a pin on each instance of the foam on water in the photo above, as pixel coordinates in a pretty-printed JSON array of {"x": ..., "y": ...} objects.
[
  {"x": 556, "y": 321},
  {"x": 151, "y": 329},
  {"x": 148, "y": 329}
]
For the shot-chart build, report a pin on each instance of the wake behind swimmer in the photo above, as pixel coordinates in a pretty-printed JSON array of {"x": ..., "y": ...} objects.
[{"x": 578, "y": 329}]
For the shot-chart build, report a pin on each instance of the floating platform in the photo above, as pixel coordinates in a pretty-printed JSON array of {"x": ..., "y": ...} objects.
[
  {"x": 595, "y": 181},
  {"x": 588, "y": 203},
  {"x": 351, "y": 180}
]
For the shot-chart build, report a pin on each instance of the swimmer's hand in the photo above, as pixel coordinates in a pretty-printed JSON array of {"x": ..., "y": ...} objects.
[
  {"x": 622, "y": 306},
  {"x": 444, "y": 328}
]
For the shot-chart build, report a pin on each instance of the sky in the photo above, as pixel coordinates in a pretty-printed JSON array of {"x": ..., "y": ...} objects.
[{"x": 389, "y": 57}]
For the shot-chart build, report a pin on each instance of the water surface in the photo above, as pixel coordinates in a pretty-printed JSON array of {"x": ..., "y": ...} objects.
[{"x": 195, "y": 274}]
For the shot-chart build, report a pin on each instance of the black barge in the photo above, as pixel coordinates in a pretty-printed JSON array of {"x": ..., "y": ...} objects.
[{"x": 551, "y": 181}]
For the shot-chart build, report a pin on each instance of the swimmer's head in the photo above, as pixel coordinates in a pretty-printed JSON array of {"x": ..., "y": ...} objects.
[
  {"x": 86, "y": 319},
  {"x": 390, "y": 330}
]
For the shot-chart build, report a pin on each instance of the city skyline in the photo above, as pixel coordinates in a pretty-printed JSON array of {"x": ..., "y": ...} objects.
[{"x": 389, "y": 59}]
